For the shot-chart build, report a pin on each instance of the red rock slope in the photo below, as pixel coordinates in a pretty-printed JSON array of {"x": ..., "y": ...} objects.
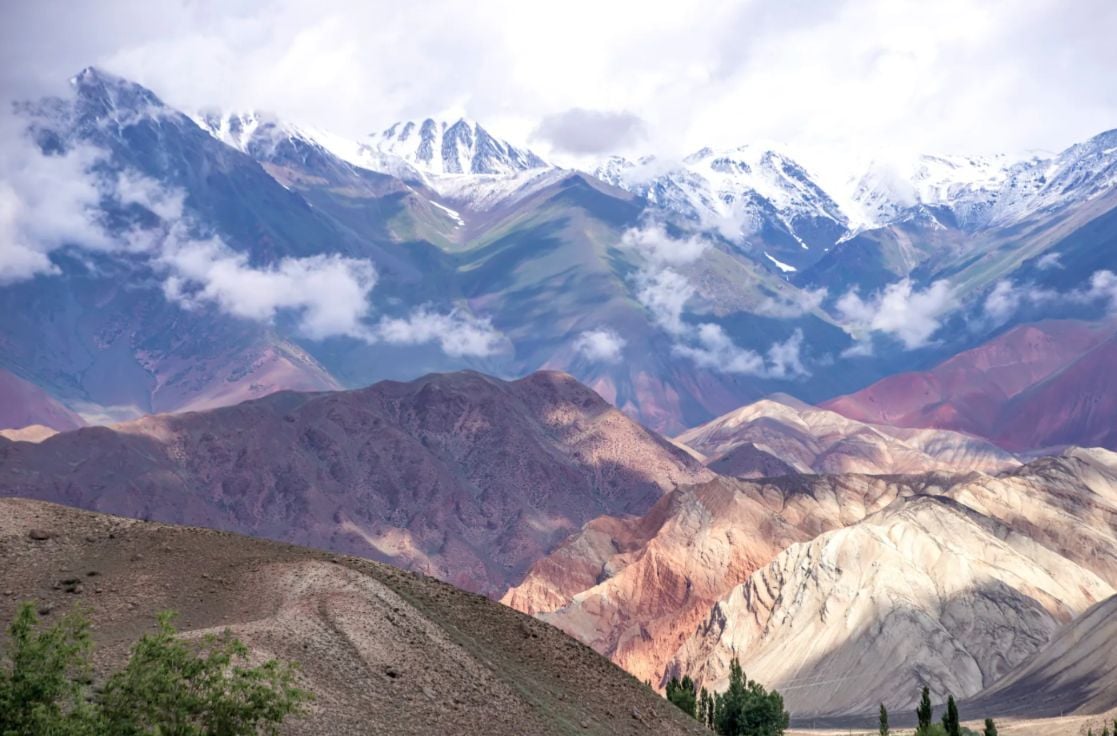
[
  {"x": 1050, "y": 374},
  {"x": 460, "y": 476},
  {"x": 23, "y": 404}
]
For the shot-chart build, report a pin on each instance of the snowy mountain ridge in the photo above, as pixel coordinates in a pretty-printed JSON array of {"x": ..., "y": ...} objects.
[{"x": 760, "y": 198}]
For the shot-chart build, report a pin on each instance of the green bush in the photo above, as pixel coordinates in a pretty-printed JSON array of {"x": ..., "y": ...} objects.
[
  {"x": 745, "y": 708},
  {"x": 682, "y": 694},
  {"x": 169, "y": 687}
]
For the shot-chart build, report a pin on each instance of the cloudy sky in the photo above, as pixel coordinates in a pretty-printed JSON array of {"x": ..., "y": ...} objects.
[{"x": 584, "y": 78}]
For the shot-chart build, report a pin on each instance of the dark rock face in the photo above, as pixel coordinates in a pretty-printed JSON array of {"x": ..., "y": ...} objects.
[{"x": 460, "y": 476}]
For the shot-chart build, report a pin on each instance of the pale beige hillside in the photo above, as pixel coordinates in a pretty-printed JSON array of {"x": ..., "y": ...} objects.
[
  {"x": 926, "y": 591},
  {"x": 807, "y": 439}
]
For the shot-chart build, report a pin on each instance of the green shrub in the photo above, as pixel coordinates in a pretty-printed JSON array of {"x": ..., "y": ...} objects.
[{"x": 169, "y": 687}]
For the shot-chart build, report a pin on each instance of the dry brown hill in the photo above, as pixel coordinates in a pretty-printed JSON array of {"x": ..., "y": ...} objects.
[{"x": 385, "y": 651}]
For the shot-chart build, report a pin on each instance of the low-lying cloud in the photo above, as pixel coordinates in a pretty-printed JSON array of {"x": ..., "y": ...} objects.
[
  {"x": 710, "y": 347},
  {"x": 580, "y": 131},
  {"x": 457, "y": 333},
  {"x": 602, "y": 345},
  {"x": 795, "y": 303},
  {"x": 330, "y": 293},
  {"x": 655, "y": 244},
  {"x": 1008, "y": 297},
  {"x": 51, "y": 201},
  {"x": 910, "y": 315},
  {"x": 46, "y": 202},
  {"x": 664, "y": 292}
]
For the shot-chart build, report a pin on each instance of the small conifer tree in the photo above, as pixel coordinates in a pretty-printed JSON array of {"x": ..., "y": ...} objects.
[
  {"x": 923, "y": 714},
  {"x": 950, "y": 722}
]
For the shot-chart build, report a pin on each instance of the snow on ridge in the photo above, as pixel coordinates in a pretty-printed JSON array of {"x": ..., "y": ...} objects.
[{"x": 786, "y": 268}]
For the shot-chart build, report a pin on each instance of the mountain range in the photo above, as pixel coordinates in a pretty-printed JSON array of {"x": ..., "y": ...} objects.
[
  {"x": 858, "y": 436},
  {"x": 678, "y": 291},
  {"x": 541, "y": 494}
]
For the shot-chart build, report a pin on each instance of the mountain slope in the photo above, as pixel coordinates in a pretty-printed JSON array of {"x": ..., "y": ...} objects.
[
  {"x": 1032, "y": 387},
  {"x": 1075, "y": 673},
  {"x": 759, "y": 199},
  {"x": 809, "y": 440},
  {"x": 926, "y": 591},
  {"x": 635, "y": 588},
  {"x": 459, "y": 147},
  {"x": 461, "y": 476},
  {"x": 23, "y": 404},
  {"x": 385, "y": 652}
]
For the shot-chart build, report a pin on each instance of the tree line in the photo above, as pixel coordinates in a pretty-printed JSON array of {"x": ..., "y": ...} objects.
[{"x": 746, "y": 708}]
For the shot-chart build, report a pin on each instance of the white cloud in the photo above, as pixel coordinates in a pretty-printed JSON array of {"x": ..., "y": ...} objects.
[
  {"x": 601, "y": 345},
  {"x": 710, "y": 347},
  {"x": 794, "y": 303},
  {"x": 899, "y": 310},
  {"x": 835, "y": 76},
  {"x": 1002, "y": 302},
  {"x": 457, "y": 333},
  {"x": 664, "y": 293},
  {"x": 786, "y": 358},
  {"x": 1007, "y": 297},
  {"x": 329, "y": 292},
  {"x": 46, "y": 202},
  {"x": 579, "y": 131},
  {"x": 654, "y": 243},
  {"x": 1103, "y": 286},
  {"x": 1048, "y": 261}
]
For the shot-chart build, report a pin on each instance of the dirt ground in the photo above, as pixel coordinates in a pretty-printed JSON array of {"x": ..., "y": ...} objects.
[{"x": 384, "y": 651}]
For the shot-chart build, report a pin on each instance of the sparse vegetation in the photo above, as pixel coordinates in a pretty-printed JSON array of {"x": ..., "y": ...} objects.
[
  {"x": 682, "y": 694},
  {"x": 745, "y": 708},
  {"x": 923, "y": 714},
  {"x": 950, "y": 722},
  {"x": 169, "y": 687}
]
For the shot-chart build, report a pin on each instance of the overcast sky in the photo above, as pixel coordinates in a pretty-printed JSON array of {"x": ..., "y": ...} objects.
[{"x": 582, "y": 78}]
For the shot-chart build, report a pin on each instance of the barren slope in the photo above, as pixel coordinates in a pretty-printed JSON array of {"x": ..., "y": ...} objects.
[
  {"x": 756, "y": 439},
  {"x": 636, "y": 588},
  {"x": 1035, "y": 386},
  {"x": 925, "y": 592},
  {"x": 1076, "y": 673},
  {"x": 386, "y": 652},
  {"x": 460, "y": 476},
  {"x": 22, "y": 404}
]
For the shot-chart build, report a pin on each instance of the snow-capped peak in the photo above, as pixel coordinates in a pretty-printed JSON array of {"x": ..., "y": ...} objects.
[
  {"x": 967, "y": 185},
  {"x": 460, "y": 147},
  {"x": 109, "y": 99},
  {"x": 737, "y": 193}
]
